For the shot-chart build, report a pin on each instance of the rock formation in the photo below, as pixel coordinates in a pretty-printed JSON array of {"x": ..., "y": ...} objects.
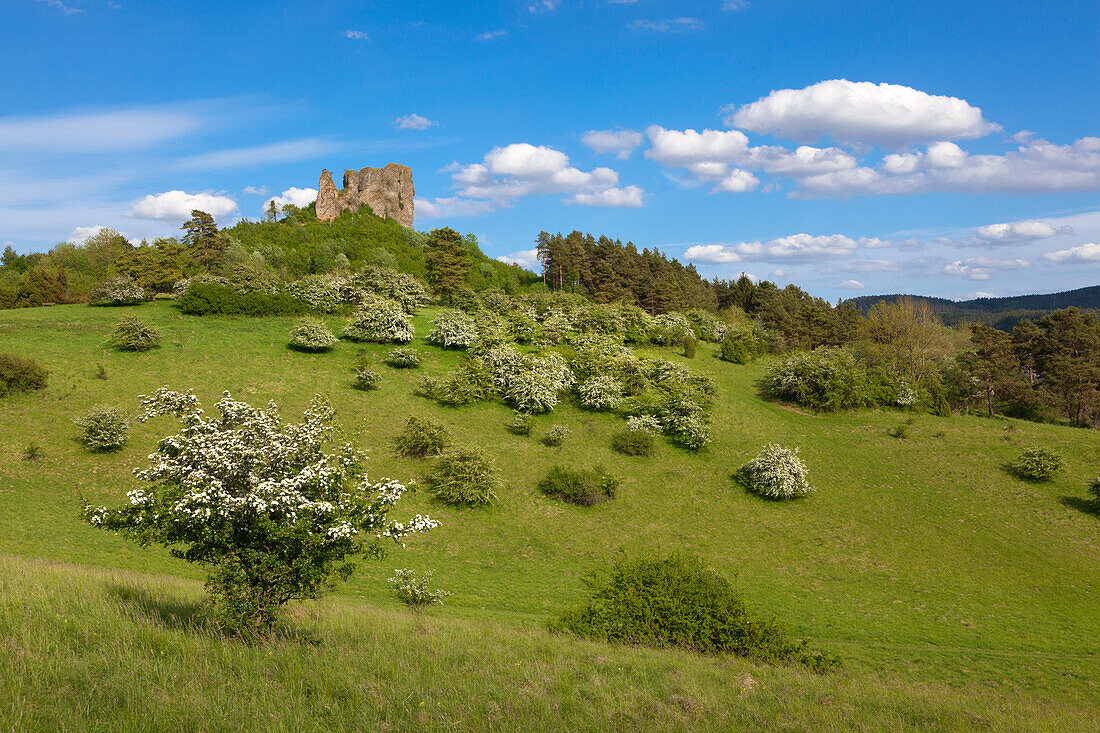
[{"x": 387, "y": 191}]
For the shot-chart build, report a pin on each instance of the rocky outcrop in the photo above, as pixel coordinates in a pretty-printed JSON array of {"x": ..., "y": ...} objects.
[{"x": 387, "y": 191}]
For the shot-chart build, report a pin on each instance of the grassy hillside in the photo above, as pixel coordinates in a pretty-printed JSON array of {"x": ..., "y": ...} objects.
[{"x": 957, "y": 596}]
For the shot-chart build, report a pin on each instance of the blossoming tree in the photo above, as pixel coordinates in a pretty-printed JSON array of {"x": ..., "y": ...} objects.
[{"x": 262, "y": 503}]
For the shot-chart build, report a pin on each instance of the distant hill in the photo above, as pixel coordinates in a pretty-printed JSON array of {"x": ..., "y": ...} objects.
[{"x": 1002, "y": 313}]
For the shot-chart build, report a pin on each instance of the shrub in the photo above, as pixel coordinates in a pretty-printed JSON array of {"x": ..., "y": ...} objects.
[
  {"x": 670, "y": 328},
  {"x": 690, "y": 344},
  {"x": 634, "y": 442},
  {"x": 467, "y": 383},
  {"x": 775, "y": 473},
  {"x": 579, "y": 486},
  {"x": 366, "y": 379},
  {"x": 403, "y": 357},
  {"x": 32, "y": 452},
  {"x": 463, "y": 477},
  {"x": 707, "y": 326},
  {"x": 600, "y": 393},
  {"x": 519, "y": 423},
  {"x": 215, "y": 299},
  {"x": 1094, "y": 488},
  {"x": 421, "y": 437},
  {"x": 412, "y": 589},
  {"x": 261, "y": 503},
  {"x": 118, "y": 290},
  {"x": 133, "y": 334},
  {"x": 103, "y": 428},
  {"x": 311, "y": 334},
  {"x": 555, "y": 436},
  {"x": 739, "y": 347},
  {"x": 824, "y": 379},
  {"x": 452, "y": 329},
  {"x": 676, "y": 601},
  {"x": 20, "y": 374},
  {"x": 379, "y": 321},
  {"x": 321, "y": 293},
  {"x": 387, "y": 282},
  {"x": 1037, "y": 464}
]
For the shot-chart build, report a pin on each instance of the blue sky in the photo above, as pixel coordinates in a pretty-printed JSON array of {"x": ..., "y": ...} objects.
[{"x": 949, "y": 149}]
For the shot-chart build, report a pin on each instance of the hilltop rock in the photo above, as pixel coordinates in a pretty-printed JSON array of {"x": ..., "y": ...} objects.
[{"x": 387, "y": 191}]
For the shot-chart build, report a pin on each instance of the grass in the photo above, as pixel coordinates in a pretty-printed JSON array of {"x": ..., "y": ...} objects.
[{"x": 957, "y": 595}]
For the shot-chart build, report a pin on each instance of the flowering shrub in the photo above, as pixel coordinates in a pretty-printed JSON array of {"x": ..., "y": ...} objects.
[
  {"x": 20, "y": 374},
  {"x": 180, "y": 288},
  {"x": 421, "y": 437},
  {"x": 412, "y": 589},
  {"x": 452, "y": 330},
  {"x": 556, "y": 435},
  {"x": 579, "y": 486},
  {"x": 707, "y": 326},
  {"x": 492, "y": 331},
  {"x": 379, "y": 321},
  {"x": 133, "y": 334},
  {"x": 825, "y": 379},
  {"x": 469, "y": 382},
  {"x": 534, "y": 387},
  {"x": 311, "y": 334},
  {"x": 386, "y": 282},
  {"x": 463, "y": 477},
  {"x": 647, "y": 424},
  {"x": 600, "y": 393},
  {"x": 103, "y": 428},
  {"x": 1037, "y": 464},
  {"x": 519, "y": 423},
  {"x": 776, "y": 473},
  {"x": 118, "y": 290},
  {"x": 263, "y": 504},
  {"x": 403, "y": 357},
  {"x": 323, "y": 293},
  {"x": 670, "y": 328},
  {"x": 366, "y": 379}
]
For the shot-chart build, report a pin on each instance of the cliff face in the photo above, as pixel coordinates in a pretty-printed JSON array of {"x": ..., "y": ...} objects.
[{"x": 387, "y": 191}]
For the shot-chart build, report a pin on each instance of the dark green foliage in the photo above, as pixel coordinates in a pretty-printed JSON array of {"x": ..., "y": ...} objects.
[
  {"x": 202, "y": 238},
  {"x": 447, "y": 261},
  {"x": 103, "y": 429},
  {"x": 1094, "y": 489},
  {"x": 676, "y": 601},
  {"x": 740, "y": 347},
  {"x": 463, "y": 477},
  {"x": 20, "y": 374},
  {"x": 421, "y": 437},
  {"x": 469, "y": 382},
  {"x": 366, "y": 380},
  {"x": 824, "y": 379},
  {"x": 212, "y": 299},
  {"x": 519, "y": 423},
  {"x": 133, "y": 334},
  {"x": 579, "y": 486},
  {"x": 1037, "y": 464},
  {"x": 901, "y": 430},
  {"x": 690, "y": 343},
  {"x": 555, "y": 436},
  {"x": 634, "y": 442},
  {"x": 32, "y": 452},
  {"x": 403, "y": 357}
]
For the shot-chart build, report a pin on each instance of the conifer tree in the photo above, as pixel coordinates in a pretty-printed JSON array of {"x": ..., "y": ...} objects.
[{"x": 446, "y": 261}]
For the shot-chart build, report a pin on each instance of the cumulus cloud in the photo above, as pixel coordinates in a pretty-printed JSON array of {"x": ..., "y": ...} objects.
[
  {"x": 628, "y": 197},
  {"x": 852, "y": 285},
  {"x": 667, "y": 25},
  {"x": 176, "y": 206},
  {"x": 413, "y": 122},
  {"x": 254, "y": 191},
  {"x": 1038, "y": 167},
  {"x": 1018, "y": 232},
  {"x": 525, "y": 258},
  {"x": 795, "y": 246},
  {"x": 357, "y": 35},
  {"x": 295, "y": 196},
  {"x": 1083, "y": 254},
  {"x": 891, "y": 115},
  {"x": 621, "y": 143},
  {"x": 982, "y": 268},
  {"x": 80, "y": 234}
]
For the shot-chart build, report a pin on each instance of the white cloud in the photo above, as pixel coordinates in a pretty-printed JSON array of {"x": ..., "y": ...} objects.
[
  {"x": 413, "y": 122},
  {"x": 619, "y": 142},
  {"x": 67, "y": 10},
  {"x": 861, "y": 112},
  {"x": 795, "y": 246},
  {"x": 543, "y": 6},
  {"x": 296, "y": 196},
  {"x": 357, "y": 35},
  {"x": 982, "y": 268},
  {"x": 1018, "y": 232},
  {"x": 82, "y": 233},
  {"x": 873, "y": 266},
  {"x": 490, "y": 35},
  {"x": 287, "y": 151},
  {"x": 734, "y": 4},
  {"x": 1039, "y": 167},
  {"x": 452, "y": 206},
  {"x": 737, "y": 181},
  {"x": 526, "y": 258},
  {"x": 97, "y": 132},
  {"x": 1084, "y": 254},
  {"x": 627, "y": 197},
  {"x": 253, "y": 191},
  {"x": 177, "y": 206},
  {"x": 667, "y": 25},
  {"x": 852, "y": 285}
]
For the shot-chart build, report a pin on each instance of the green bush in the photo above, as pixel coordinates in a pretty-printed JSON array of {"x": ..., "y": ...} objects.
[
  {"x": 412, "y": 589},
  {"x": 1094, "y": 488},
  {"x": 1037, "y": 464},
  {"x": 463, "y": 477},
  {"x": 366, "y": 379},
  {"x": 403, "y": 357},
  {"x": 579, "y": 486},
  {"x": 20, "y": 374},
  {"x": 519, "y": 423},
  {"x": 421, "y": 437},
  {"x": 824, "y": 379},
  {"x": 676, "y": 601},
  {"x": 133, "y": 334},
  {"x": 738, "y": 347},
  {"x": 775, "y": 473},
  {"x": 103, "y": 428},
  {"x": 555, "y": 436},
  {"x": 311, "y": 334},
  {"x": 468, "y": 382},
  {"x": 214, "y": 299},
  {"x": 634, "y": 442},
  {"x": 381, "y": 321},
  {"x": 690, "y": 344},
  {"x": 32, "y": 452},
  {"x": 118, "y": 290}
]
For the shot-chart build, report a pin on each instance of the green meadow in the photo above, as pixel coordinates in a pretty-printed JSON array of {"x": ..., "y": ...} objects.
[{"x": 957, "y": 596}]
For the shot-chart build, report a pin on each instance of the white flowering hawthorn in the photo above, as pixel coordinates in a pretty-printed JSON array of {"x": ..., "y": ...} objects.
[
  {"x": 776, "y": 473},
  {"x": 601, "y": 392},
  {"x": 452, "y": 329},
  {"x": 272, "y": 514},
  {"x": 379, "y": 320}
]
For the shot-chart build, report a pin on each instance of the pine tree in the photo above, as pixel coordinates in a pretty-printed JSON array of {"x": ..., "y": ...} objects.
[
  {"x": 206, "y": 244},
  {"x": 446, "y": 260}
]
